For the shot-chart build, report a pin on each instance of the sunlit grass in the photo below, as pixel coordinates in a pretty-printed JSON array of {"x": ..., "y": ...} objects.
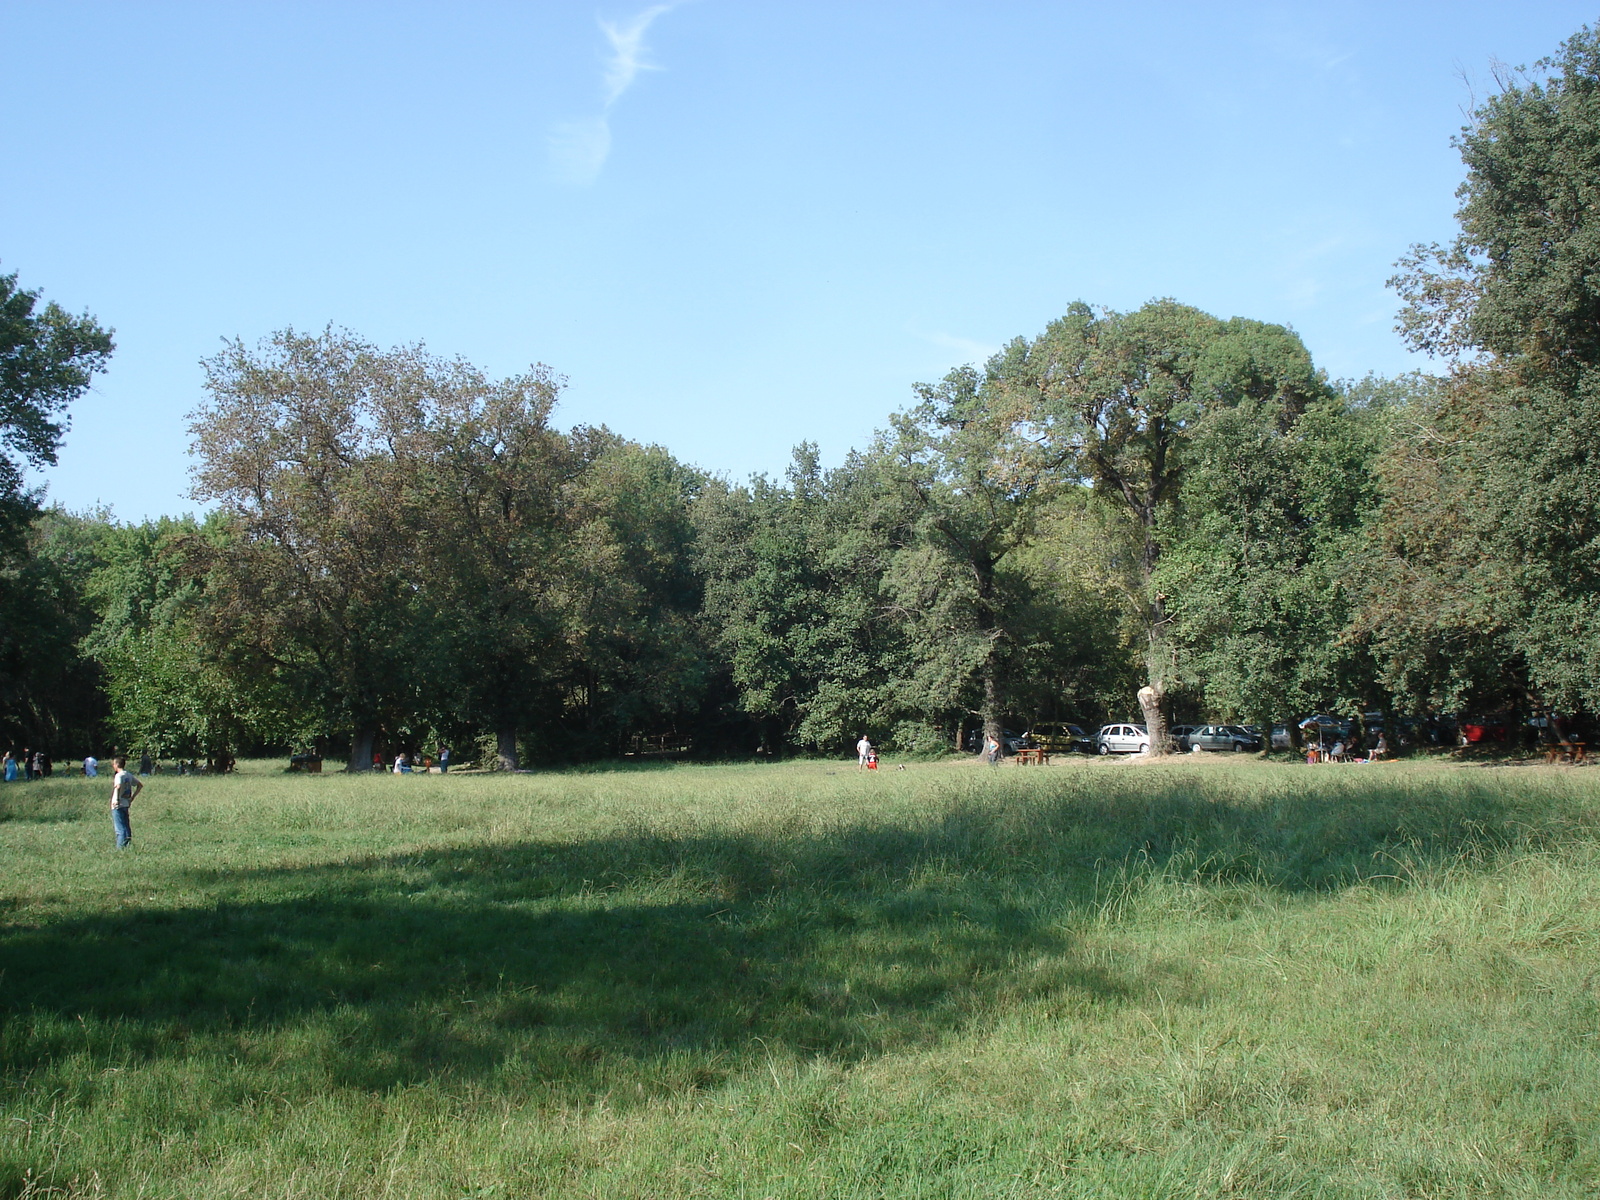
[{"x": 1097, "y": 979}]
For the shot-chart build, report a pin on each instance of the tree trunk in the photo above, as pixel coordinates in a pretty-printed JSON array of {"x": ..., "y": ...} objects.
[
  {"x": 506, "y": 759},
  {"x": 1265, "y": 725},
  {"x": 1152, "y": 703},
  {"x": 993, "y": 708},
  {"x": 993, "y": 720},
  {"x": 361, "y": 750},
  {"x": 1153, "y": 698}
]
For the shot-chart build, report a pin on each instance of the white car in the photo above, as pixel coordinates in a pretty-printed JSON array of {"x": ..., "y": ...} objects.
[{"x": 1122, "y": 739}]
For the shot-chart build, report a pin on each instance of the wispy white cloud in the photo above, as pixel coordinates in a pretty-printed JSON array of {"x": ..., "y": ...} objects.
[
  {"x": 629, "y": 54},
  {"x": 578, "y": 149}
]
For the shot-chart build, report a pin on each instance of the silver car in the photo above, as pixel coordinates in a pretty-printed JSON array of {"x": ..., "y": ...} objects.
[
  {"x": 1223, "y": 737},
  {"x": 1122, "y": 739}
]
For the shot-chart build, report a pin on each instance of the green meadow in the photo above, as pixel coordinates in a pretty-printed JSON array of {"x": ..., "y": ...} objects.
[{"x": 1097, "y": 979}]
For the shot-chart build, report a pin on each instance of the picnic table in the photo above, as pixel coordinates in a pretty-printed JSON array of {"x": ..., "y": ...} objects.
[
  {"x": 1035, "y": 755},
  {"x": 1571, "y": 752}
]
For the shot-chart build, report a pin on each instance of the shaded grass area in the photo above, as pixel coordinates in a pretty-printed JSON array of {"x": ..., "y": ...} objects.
[{"x": 786, "y": 981}]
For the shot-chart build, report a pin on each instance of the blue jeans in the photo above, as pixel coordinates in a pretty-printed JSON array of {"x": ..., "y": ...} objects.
[{"x": 123, "y": 826}]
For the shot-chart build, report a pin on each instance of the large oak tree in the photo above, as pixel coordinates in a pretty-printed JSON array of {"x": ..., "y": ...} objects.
[{"x": 1115, "y": 399}]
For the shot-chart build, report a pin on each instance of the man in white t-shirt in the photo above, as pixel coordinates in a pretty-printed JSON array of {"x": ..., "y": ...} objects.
[
  {"x": 91, "y": 766},
  {"x": 863, "y": 752},
  {"x": 125, "y": 785}
]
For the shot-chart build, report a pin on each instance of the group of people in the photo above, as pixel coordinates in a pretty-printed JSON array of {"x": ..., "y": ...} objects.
[
  {"x": 29, "y": 765},
  {"x": 403, "y": 764},
  {"x": 36, "y": 764},
  {"x": 1341, "y": 751},
  {"x": 125, "y": 785}
]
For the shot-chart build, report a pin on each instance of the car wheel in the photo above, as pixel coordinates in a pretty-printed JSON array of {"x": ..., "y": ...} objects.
[
  {"x": 1104, "y": 749},
  {"x": 1144, "y": 748},
  {"x": 1195, "y": 749}
]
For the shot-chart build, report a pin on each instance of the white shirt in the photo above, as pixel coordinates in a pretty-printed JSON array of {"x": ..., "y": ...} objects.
[
  {"x": 91, "y": 766},
  {"x": 122, "y": 788}
]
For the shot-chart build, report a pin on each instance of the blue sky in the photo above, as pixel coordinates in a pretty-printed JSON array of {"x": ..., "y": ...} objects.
[{"x": 732, "y": 225}]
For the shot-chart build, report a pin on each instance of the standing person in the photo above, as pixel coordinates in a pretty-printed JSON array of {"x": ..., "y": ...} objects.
[
  {"x": 863, "y": 748},
  {"x": 125, "y": 786},
  {"x": 37, "y": 765},
  {"x": 991, "y": 750},
  {"x": 27, "y": 765},
  {"x": 91, "y": 766},
  {"x": 144, "y": 762},
  {"x": 444, "y": 760},
  {"x": 11, "y": 768}
]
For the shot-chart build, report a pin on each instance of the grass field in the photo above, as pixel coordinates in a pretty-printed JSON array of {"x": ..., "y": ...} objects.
[{"x": 1097, "y": 979}]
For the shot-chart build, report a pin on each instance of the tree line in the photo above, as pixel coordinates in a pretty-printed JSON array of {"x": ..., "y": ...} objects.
[{"x": 1156, "y": 512}]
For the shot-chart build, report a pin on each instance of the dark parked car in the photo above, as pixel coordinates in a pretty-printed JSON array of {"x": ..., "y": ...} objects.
[
  {"x": 1010, "y": 740},
  {"x": 1223, "y": 737},
  {"x": 1060, "y": 737},
  {"x": 1180, "y": 735},
  {"x": 1321, "y": 727}
]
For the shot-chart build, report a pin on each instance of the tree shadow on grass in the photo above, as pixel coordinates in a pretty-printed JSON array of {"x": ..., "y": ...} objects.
[
  {"x": 660, "y": 963},
  {"x": 645, "y": 963}
]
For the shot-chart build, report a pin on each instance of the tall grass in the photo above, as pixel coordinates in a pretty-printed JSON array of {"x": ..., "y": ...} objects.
[{"x": 798, "y": 980}]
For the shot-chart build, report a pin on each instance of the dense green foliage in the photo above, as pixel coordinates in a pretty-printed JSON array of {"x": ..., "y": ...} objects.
[
  {"x": 1158, "y": 511},
  {"x": 1509, "y": 444},
  {"x": 47, "y": 359},
  {"x": 1118, "y": 400}
]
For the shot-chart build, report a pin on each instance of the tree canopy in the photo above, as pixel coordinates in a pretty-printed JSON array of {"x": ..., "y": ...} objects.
[{"x": 1158, "y": 510}]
